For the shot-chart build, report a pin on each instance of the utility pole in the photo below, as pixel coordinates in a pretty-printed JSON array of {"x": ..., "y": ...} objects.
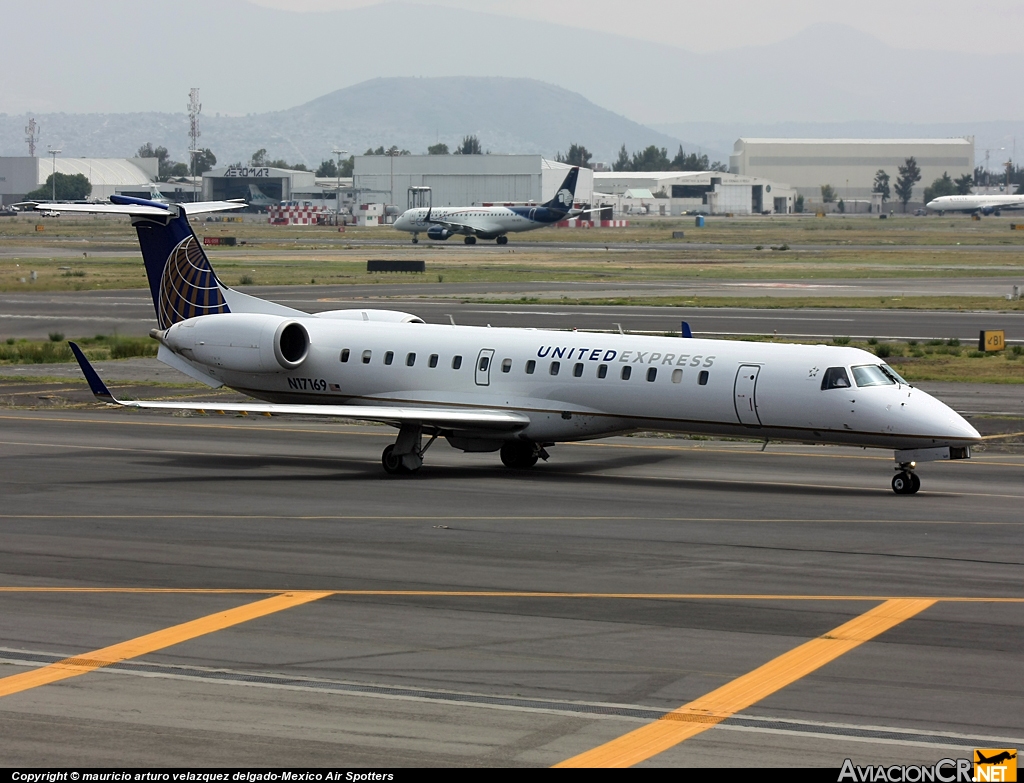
[
  {"x": 32, "y": 131},
  {"x": 53, "y": 178},
  {"x": 391, "y": 154},
  {"x": 337, "y": 193},
  {"x": 194, "y": 107}
]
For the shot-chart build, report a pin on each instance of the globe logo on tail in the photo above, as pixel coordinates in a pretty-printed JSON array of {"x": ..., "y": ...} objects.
[{"x": 188, "y": 286}]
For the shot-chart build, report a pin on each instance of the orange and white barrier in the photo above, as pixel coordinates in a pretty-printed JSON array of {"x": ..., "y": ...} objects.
[{"x": 295, "y": 215}]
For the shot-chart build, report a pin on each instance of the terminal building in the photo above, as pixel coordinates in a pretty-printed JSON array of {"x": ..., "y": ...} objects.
[
  {"x": 463, "y": 180},
  {"x": 679, "y": 192},
  {"x": 848, "y": 165},
  {"x": 21, "y": 175}
]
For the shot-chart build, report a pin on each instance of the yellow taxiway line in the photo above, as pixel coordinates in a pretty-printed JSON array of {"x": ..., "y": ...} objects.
[
  {"x": 158, "y": 640},
  {"x": 703, "y": 713}
]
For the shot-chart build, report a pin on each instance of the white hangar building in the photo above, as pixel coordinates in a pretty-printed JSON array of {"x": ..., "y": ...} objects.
[
  {"x": 714, "y": 192},
  {"x": 849, "y": 165},
  {"x": 21, "y": 175},
  {"x": 457, "y": 180}
]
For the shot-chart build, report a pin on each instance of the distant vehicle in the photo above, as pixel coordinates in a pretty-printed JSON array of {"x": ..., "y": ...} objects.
[
  {"x": 985, "y": 205},
  {"x": 491, "y": 222},
  {"x": 920, "y": 212},
  {"x": 50, "y": 213},
  {"x": 8, "y": 212}
]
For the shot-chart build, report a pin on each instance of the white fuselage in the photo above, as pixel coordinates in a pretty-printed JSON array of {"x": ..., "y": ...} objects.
[
  {"x": 971, "y": 203},
  {"x": 716, "y": 387},
  {"x": 484, "y": 220}
]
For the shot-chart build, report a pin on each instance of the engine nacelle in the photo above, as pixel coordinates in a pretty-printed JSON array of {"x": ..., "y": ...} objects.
[
  {"x": 242, "y": 342},
  {"x": 439, "y": 232}
]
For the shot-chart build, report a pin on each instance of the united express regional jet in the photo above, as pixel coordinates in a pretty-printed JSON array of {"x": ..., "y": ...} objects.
[
  {"x": 514, "y": 391},
  {"x": 491, "y": 222}
]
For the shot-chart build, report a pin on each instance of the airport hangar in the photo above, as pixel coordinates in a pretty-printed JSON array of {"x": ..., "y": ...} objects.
[
  {"x": 21, "y": 175},
  {"x": 848, "y": 165},
  {"x": 678, "y": 192}
]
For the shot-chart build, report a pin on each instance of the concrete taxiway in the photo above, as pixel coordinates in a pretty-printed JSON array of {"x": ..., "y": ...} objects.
[
  {"x": 257, "y": 591},
  {"x": 131, "y": 313}
]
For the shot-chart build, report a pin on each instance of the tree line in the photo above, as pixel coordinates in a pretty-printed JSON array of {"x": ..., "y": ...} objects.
[{"x": 903, "y": 188}]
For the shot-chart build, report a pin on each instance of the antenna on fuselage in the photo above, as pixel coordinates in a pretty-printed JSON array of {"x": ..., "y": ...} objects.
[
  {"x": 451, "y": 318},
  {"x": 619, "y": 327}
]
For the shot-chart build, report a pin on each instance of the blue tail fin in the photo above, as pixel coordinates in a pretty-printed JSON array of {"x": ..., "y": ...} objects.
[
  {"x": 566, "y": 193},
  {"x": 181, "y": 280},
  {"x": 96, "y": 384}
]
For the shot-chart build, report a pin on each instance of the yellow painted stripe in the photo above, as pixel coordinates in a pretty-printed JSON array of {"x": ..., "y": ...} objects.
[
  {"x": 703, "y": 713},
  {"x": 133, "y": 648}
]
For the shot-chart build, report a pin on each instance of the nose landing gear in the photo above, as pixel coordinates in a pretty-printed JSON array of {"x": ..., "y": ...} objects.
[
  {"x": 521, "y": 454},
  {"x": 906, "y": 481}
]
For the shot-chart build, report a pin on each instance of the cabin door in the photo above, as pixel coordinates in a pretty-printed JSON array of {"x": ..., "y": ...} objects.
[
  {"x": 745, "y": 395},
  {"x": 483, "y": 367}
]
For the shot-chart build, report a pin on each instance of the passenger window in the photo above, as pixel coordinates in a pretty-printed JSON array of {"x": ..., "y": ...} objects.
[
  {"x": 702, "y": 379},
  {"x": 389, "y": 357},
  {"x": 577, "y": 370},
  {"x": 835, "y": 378},
  {"x": 433, "y": 360},
  {"x": 410, "y": 360},
  {"x": 626, "y": 372},
  {"x": 344, "y": 355},
  {"x": 484, "y": 361},
  {"x": 677, "y": 376},
  {"x": 456, "y": 362},
  {"x": 652, "y": 373},
  {"x": 366, "y": 357},
  {"x": 871, "y": 375},
  {"x": 554, "y": 368},
  {"x": 530, "y": 367},
  {"x": 506, "y": 365},
  {"x": 602, "y": 371}
]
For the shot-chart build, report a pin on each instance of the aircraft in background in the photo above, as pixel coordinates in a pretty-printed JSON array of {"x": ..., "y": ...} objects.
[
  {"x": 491, "y": 222},
  {"x": 257, "y": 198},
  {"x": 513, "y": 391},
  {"x": 986, "y": 205}
]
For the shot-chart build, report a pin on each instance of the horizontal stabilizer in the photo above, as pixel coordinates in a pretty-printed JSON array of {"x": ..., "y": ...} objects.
[{"x": 141, "y": 208}]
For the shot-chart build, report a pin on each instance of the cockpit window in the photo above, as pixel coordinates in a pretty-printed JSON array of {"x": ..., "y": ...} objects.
[
  {"x": 894, "y": 375},
  {"x": 835, "y": 378},
  {"x": 871, "y": 375}
]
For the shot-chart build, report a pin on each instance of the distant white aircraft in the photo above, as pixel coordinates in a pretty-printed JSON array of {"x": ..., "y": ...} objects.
[
  {"x": 258, "y": 198},
  {"x": 517, "y": 391},
  {"x": 491, "y": 222},
  {"x": 986, "y": 205}
]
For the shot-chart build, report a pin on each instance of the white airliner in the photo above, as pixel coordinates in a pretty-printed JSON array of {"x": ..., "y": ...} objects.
[
  {"x": 517, "y": 391},
  {"x": 491, "y": 222},
  {"x": 986, "y": 205}
]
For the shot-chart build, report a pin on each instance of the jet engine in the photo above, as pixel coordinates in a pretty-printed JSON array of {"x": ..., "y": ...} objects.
[
  {"x": 242, "y": 342},
  {"x": 439, "y": 232}
]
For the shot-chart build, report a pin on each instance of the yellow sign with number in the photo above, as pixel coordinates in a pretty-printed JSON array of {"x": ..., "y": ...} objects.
[{"x": 992, "y": 340}]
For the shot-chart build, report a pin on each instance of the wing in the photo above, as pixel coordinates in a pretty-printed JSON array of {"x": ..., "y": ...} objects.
[
  {"x": 458, "y": 228},
  {"x": 191, "y": 208},
  {"x": 445, "y": 418}
]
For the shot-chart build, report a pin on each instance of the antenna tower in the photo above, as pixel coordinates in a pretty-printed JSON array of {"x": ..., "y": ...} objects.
[{"x": 32, "y": 131}]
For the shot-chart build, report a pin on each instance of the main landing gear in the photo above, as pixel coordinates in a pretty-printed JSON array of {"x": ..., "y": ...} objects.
[
  {"x": 502, "y": 240},
  {"x": 415, "y": 239},
  {"x": 470, "y": 240},
  {"x": 522, "y": 454},
  {"x": 906, "y": 481},
  {"x": 405, "y": 455}
]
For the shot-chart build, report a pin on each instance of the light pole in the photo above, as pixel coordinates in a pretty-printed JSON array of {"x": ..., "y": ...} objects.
[
  {"x": 391, "y": 154},
  {"x": 192, "y": 156},
  {"x": 337, "y": 194},
  {"x": 53, "y": 177}
]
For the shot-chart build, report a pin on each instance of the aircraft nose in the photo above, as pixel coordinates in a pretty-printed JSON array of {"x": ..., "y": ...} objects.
[{"x": 947, "y": 422}]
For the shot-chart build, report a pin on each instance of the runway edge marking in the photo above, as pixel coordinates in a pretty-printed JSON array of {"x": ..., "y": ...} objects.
[
  {"x": 707, "y": 711},
  {"x": 158, "y": 640}
]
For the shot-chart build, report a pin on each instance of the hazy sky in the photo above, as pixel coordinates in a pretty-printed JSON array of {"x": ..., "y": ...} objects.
[{"x": 709, "y": 25}]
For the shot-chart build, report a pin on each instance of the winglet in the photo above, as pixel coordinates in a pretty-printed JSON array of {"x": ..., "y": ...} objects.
[
  {"x": 686, "y": 330},
  {"x": 99, "y": 389}
]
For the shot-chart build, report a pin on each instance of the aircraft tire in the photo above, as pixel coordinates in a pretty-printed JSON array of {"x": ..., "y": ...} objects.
[
  {"x": 502, "y": 240},
  {"x": 415, "y": 240},
  {"x": 391, "y": 462},
  {"x": 470, "y": 240},
  {"x": 519, "y": 455},
  {"x": 903, "y": 483},
  {"x": 915, "y": 483}
]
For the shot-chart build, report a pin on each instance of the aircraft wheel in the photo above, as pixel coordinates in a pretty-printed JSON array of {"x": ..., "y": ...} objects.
[
  {"x": 519, "y": 454},
  {"x": 903, "y": 483},
  {"x": 415, "y": 240},
  {"x": 502, "y": 240},
  {"x": 392, "y": 462},
  {"x": 470, "y": 240},
  {"x": 915, "y": 483}
]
